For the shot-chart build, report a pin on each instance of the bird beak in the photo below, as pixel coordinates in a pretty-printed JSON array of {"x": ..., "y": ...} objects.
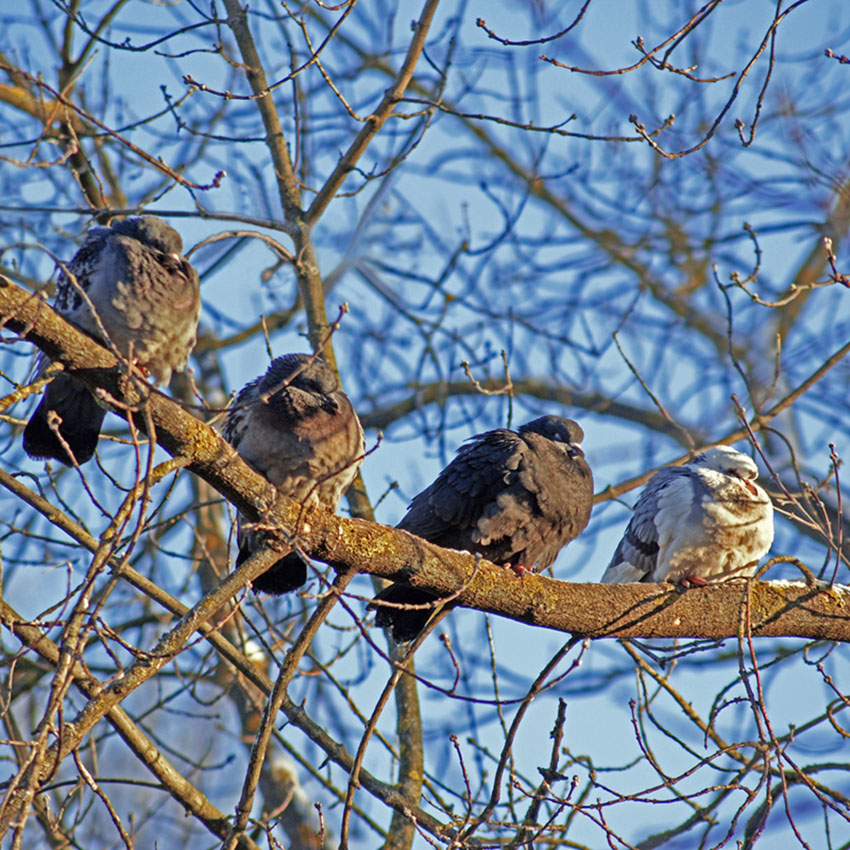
[{"x": 748, "y": 484}]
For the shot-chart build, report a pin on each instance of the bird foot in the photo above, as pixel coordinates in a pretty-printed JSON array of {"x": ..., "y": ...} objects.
[
  {"x": 520, "y": 569},
  {"x": 693, "y": 581}
]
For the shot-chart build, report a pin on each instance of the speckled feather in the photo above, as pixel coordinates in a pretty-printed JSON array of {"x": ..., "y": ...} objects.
[
  {"x": 147, "y": 300},
  {"x": 706, "y": 521},
  {"x": 515, "y": 498},
  {"x": 301, "y": 433}
]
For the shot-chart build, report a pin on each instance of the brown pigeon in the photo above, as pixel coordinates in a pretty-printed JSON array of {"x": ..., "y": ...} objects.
[
  {"x": 147, "y": 301},
  {"x": 295, "y": 426},
  {"x": 706, "y": 521},
  {"x": 514, "y": 498}
]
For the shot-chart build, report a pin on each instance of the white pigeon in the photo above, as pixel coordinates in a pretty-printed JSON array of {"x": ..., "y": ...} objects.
[{"x": 706, "y": 521}]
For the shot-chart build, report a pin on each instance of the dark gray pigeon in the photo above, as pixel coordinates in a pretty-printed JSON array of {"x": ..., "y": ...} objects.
[
  {"x": 514, "y": 498},
  {"x": 295, "y": 426},
  {"x": 706, "y": 521},
  {"x": 147, "y": 301}
]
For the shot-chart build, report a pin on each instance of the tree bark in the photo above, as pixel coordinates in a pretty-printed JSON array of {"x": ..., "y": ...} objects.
[{"x": 812, "y": 610}]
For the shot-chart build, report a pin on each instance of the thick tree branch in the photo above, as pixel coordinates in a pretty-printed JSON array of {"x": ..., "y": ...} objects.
[{"x": 585, "y": 609}]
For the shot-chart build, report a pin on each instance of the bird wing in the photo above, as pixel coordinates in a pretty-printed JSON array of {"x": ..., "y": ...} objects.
[
  {"x": 69, "y": 301},
  {"x": 448, "y": 511},
  {"x": 237, "y": 417},
  {"x": 270, "y": 447},
  {"x": 665, "y": 501}
]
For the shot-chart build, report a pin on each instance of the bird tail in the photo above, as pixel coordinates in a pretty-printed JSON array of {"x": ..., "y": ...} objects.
[
  {"x": 404, "y": 623},
  {"x": 284, "y": 576},
  {"x": 80, "y": 426}
]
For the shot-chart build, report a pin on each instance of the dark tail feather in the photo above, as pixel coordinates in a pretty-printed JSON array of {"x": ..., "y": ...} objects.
[
  {"x": 288, "y": 574},
  {"x": 81, "y": 420},
  {"x": 405, "y": 624}
]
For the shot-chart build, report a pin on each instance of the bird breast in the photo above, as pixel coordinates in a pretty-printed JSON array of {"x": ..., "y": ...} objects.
[
  {"x": 313, "y": 458},
  {"x": 716, "y": 530}
]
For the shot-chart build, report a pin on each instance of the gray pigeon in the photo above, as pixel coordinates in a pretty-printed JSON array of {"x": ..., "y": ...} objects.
[
  {"x": 706, "y": 521},
  {"x": 295, "y": 426},
  {"x": 514, "y": 498},
  {"x": 147, "y": 300}
]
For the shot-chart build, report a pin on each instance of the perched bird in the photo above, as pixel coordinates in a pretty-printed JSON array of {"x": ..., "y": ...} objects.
[
  {"x": 147, "y": 301},
  {"x": 514, "y": 498},
  {"x": 706, "y": 521},
  {"x": 296, "y": 427}
]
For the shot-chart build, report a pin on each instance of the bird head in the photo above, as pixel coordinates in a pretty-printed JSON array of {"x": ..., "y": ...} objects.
[
  {"x": 152, "y": 231},
  {"x": 729, "y": 461},
  {"x": 297, "y": 384},
  {"x": 558, "y": 430},
  {"x": 555, "y": 428}
]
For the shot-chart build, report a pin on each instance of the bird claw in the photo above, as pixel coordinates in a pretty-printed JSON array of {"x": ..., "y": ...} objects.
[
  {"x": 520, "y": 569},
  {"x": 693, "y": 581}
]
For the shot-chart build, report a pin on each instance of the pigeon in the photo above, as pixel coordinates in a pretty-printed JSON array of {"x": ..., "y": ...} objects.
[
  {"x": 706, "y": 521},
  {"x": 147, "y": 301},
  {"x": 297, "y": 428},
  {"x": 515, "y": 498}
]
